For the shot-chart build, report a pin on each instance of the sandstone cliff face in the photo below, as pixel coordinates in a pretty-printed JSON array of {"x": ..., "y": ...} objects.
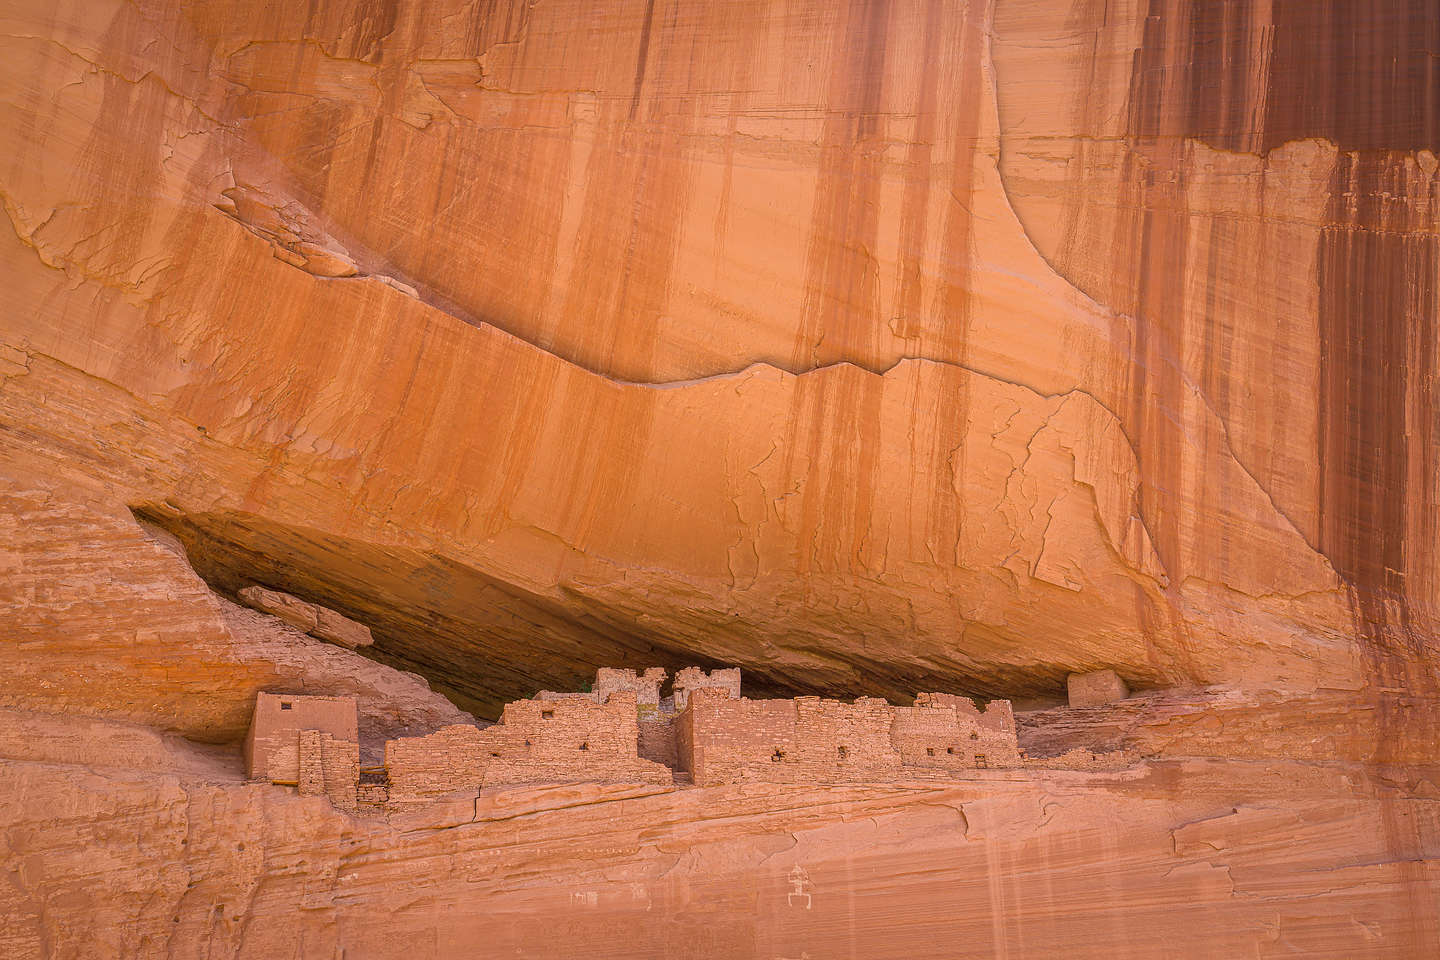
[{"x": 870, "y": 347}]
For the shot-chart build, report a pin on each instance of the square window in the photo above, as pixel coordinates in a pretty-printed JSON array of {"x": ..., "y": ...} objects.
[
  {"x": 286, "y": 706},
  {"x": 980, "y": 760},
  {"x": 929, "y": 751},
  {"x": 547, "y": 714},
  {"x": 841, "y": 752},
  {"x": 778, "y": 756},
  {"x": 950, "y": 750},
  {"x": 584, "y": 746}
]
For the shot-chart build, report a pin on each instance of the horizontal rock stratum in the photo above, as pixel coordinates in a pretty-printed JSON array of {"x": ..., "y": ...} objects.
[{"x": 868, "y": 347}]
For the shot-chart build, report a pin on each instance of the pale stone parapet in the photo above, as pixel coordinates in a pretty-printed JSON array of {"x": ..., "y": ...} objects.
[{"x": 693, "y": 678}]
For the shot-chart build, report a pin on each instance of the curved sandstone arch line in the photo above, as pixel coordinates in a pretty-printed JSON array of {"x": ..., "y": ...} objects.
[
  {"x": 261, "y": 258},
  {"x": 917, "y": 506}
]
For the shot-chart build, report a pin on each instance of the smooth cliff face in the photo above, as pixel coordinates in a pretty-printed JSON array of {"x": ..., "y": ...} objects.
[{"x": 870, "y": 347}]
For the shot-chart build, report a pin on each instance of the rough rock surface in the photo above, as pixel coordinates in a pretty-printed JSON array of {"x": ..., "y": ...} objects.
[
  {"x": 322, "y": 623},
  {"x": 292, "y": 610},
  {"x": 870, "y": 347}
]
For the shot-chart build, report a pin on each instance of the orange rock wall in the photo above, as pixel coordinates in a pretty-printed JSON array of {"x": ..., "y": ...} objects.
[
  {"x": 866, "y": 346},
  {"x": 841, "y": 225}
]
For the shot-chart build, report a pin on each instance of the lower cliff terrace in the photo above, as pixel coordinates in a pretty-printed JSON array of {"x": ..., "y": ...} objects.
[{"x": 623, "y": 731}]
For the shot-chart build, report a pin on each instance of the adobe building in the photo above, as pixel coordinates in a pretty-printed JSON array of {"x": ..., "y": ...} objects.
[
  {"x": 311, "y": 743},
  {"x": 564, "y": 740},
  {"x": 946, "y": 732},
  {"x": 724, "y": 740},
  {"x": 693, "y": 678},
  {"x": 623, "y": 731},
  {"x": 608, "y": 680}
]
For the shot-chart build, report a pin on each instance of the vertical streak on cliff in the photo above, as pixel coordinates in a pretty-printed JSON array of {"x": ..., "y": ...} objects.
[
  {"x": 952, "y": 299},
  {"x": 915, "y": 200},
  {"x": 640, "y": 59},
  {"x": 1377, "y": 264},
  {"x": 1154, "y": 286},
  {"x": 740, "y": 85},
  {"x": 1251, "y": 76},
  {"x": 638, "y": 173},
  {"x": 1371, "y": 293},
  {"x": 1360, "y": 74},
  {"x": 957, "y": 249},
  {"x": 841, "y": 285},
  {"x": 835, "y": 421}
]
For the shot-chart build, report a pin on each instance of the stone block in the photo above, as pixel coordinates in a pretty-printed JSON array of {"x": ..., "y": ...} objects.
[
  {"x": 292, "y": 610},
  {"x": 340, "y": 629},
  {"x": 1096, "y": 688}
]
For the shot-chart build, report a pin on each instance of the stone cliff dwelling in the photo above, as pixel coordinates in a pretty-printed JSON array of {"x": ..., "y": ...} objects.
[
  {"x": 308, "y": 742},
  {"x": 623, "y": 730}
]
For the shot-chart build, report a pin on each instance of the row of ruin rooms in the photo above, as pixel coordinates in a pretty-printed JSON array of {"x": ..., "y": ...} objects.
[{"x": 622, "y": 730}]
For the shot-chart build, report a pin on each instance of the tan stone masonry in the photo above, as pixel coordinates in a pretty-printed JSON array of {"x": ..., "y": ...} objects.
[
  {"x": 724, "y": 740},
  {"x": 310, "y": 742},
  {"x": 623, "y": 732},
  {"x": 563, "y": 740}
]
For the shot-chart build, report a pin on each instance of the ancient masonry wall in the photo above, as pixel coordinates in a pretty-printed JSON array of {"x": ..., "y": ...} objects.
[
  {"x": 609, "y": 680},
  {"x": 309, "y": 742},
  {"x": 554, "y": 741},
  {"x": 787, "y": 741},
  {"x": 693, "y": 678},
  {"x": 623, "y": 732},
  {"x": 732, "y": 740},
  {"x": 450, "y": 759},
  {"x": 946, "y": 732},
  {"x": 329, "y": 767},
  {"x": 646, "y": 686},
  {"x": 722, "y": 740},
  {"x": 683, "y": 729},
  {"x": 657, "y": 739}
]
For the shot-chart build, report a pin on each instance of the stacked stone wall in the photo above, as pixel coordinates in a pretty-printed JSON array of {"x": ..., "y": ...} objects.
[
  {"x": 720, "y": 740},
  {"x": 310, "y": 742},
  {"x": 944, "y": 732},
  {"x": 657, "y": 740},
  {"x": 450, "y": 759},
  {"x": 645, "y": 686},
  {"x": 693, "y": 678},
  {"x": 846, "y": 741},
  {"x": 536, "y": 741},
  {"x": 732, "y": 740},
  {"x": 329, "y": 767},
  {"x": 683, "y": 728}
]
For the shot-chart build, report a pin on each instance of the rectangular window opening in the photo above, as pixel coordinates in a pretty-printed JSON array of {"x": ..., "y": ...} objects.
[
  {"x": 547, "y": 714},
  {"x": 286, "y": 706}
]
